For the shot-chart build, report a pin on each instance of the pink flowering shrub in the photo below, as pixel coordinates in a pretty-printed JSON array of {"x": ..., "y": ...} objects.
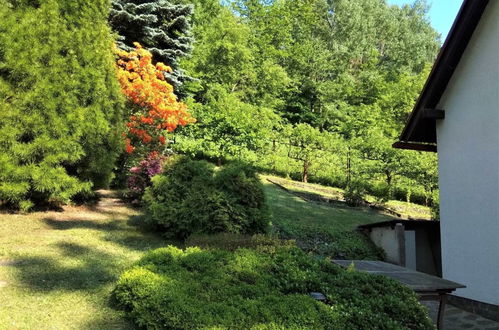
[{"x": 140, "y": 175}]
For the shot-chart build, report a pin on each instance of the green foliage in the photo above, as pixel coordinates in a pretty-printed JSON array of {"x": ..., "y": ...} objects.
[
  {"x": 321, "y": 229},
  {"x": 59, "y": 100},
  {"x": 160, "y": 26},
  {"x": 226, "y": 127},
  {"x": 171, "y": 288},
  {"x": 350, "y": 70},
  {"x": 306, "y": 144},
  {"x": 192, "y": 197},
  {"x": 354, "y": 193},
  {"x": 435, "y": 206},
  {"x": 232, "y": 242},
  {"x": 339, "y": 245}
]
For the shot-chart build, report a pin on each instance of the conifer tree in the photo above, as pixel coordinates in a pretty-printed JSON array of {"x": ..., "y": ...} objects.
[
  {"x": 160, "y": 26},
  {"x": 59, "y": 98}
]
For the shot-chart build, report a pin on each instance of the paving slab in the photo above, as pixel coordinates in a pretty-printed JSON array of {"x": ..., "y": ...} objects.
[{"x": 456, "y": 318}]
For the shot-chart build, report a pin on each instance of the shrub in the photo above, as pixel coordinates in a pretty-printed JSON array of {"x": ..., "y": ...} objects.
[
  {"x": 354, "y": 193},
  {"x": 191, "y": 197},
  {"x": 140, "y": 175},
  {"x": 435, "y": 206},
  {"x": 335, "y": 245},
  {"x": 232, "y": 242},
  {"x": 194, "y": 289}
]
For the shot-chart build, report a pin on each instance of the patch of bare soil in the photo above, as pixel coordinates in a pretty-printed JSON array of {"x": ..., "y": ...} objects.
[{"x": 109, "y": 204}]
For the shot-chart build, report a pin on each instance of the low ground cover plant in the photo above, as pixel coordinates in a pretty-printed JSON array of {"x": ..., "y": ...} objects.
[
  {"x": 260, "y": 288},
  {"x": 339, "y": 245},
  {"x": 232, "y": 242},
  {"x": 192, "y": 196}
]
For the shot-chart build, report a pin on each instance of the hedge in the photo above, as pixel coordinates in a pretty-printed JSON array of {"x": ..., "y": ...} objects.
[{"x": 262, "y": 288}]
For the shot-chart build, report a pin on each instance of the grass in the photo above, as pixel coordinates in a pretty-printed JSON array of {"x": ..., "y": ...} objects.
[
  {"x": 410, "y": 210},
  {"x": 319, "y": 192},
  {"x": 57, "y": 269},
  {"x": 311, "y": 188},
  {"x": 322, "y": 229},
  {"x": 298, "y": 215}
]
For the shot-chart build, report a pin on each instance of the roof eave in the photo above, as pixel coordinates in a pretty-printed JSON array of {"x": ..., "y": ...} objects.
[{"x": 420, "y": 132}]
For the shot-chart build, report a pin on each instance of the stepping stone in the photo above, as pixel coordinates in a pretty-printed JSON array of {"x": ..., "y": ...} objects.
[{"x": 3, "y": 284}]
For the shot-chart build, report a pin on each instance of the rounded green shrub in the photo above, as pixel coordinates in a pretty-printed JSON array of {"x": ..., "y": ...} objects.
[
  {"x": 250, "y": 289},
  {"x": 192, "y": 196}
]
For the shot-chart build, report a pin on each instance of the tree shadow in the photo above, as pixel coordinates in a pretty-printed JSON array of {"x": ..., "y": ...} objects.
[
  {"x": 84, "y": 224},
  {"x": 140, "y": 241},
  {"x": 104, "y": 209},
  {"x": 87, "y": 268}
]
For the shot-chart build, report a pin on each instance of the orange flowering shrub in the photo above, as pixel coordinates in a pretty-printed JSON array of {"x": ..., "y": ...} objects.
[{"x": 157, "y": 107}]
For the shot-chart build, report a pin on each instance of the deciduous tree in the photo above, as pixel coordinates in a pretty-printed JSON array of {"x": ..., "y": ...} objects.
[{"x": 155, "y": 108}]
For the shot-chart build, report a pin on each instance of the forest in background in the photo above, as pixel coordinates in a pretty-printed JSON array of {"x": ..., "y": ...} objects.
[{"x": 316, "y": 90}]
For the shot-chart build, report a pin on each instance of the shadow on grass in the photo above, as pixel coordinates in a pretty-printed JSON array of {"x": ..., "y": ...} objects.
[
  {"x": 140, "y": 238},
  {"x": 78, "y": 266},
  {"x": 83, "y": 268},
  {"x": 85, "y": 224}
]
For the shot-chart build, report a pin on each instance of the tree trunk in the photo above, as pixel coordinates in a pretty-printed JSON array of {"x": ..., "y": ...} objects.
[
  {"x": 274, "y": 148},
  {"x": 349, "y": 167},
  {"x": 306, "y": 165},
  {"x": 389, "y": 180}
]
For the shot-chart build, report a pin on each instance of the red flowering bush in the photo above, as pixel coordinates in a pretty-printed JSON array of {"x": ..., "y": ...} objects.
[{"x": 140, "y": 175}]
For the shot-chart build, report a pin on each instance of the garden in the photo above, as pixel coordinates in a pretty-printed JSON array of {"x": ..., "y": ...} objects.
[{"x": 136, "y": 142}]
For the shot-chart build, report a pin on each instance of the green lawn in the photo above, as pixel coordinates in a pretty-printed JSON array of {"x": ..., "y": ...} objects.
[
  {"x": 297, "y": 214},
  {"x": 57, "y": 269},
  {"x": 410, "y": 210},
  {"x": 406, "y": 210},
  {"x": 310, "y": 188},
  {"x": 326, "y": 230}
]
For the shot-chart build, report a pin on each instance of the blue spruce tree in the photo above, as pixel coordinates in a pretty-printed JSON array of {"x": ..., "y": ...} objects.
[{"x": 160, "y": 26}]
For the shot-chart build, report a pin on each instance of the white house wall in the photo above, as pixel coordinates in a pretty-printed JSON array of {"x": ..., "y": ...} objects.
[{"x": 468, "y": 147}]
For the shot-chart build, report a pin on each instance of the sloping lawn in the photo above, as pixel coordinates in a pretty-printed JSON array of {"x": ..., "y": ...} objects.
[
  {"x": 325, "y": 230},
  {"x": 57, "y": 269},
  {"x": 319, "y": 192}
]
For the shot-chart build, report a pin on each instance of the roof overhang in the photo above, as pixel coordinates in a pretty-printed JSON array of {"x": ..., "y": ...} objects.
[{"x": 420, "y": 132}]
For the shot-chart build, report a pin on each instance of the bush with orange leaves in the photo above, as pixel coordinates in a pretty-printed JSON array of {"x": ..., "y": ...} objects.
[{"x": 157, "y": 108}]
